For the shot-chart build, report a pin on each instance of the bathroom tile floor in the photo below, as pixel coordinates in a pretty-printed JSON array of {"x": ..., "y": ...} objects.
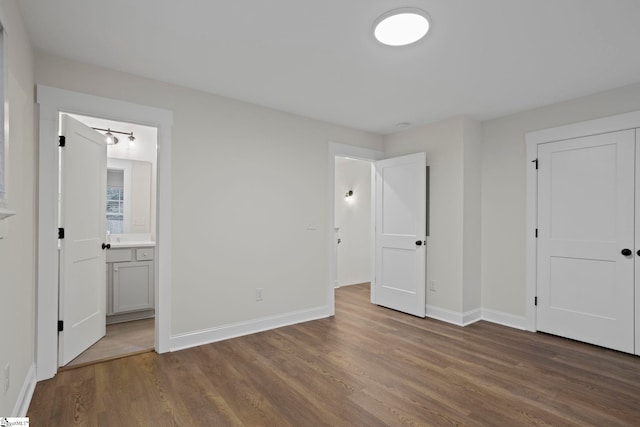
[{"x": 122, "y": 339}]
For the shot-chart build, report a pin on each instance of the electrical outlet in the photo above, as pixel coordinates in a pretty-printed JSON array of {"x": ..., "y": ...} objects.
[
  {"x": 432, "y": 285},
  {"x": 7, "y": 377},
  {"x": 259, "y": 296}
]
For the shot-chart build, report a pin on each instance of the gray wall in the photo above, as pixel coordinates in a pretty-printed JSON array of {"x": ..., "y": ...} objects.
[
  {"x": 18, "y": 247},
  {"x": 248, "y": 180},
  {"x": 246, "y": 183},
  {"x": 504, "y": 188}
]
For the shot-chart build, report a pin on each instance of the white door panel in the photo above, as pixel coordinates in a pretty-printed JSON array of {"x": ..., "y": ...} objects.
[
  {"x": 637, "y": 247},
  {"x": 401, "y": 222},
  {"x": 82, "y": 259},
  {"x": 585, "y": 218}
]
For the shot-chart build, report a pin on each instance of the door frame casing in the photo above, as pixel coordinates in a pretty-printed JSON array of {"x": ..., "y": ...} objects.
[
  {"x": 532, "y": 140},
  {"x": 354, "y": 152},
  {"x": 50, "y": 103}
]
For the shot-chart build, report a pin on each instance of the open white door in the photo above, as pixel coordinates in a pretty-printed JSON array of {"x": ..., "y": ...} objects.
[
  {"x": 82, "y": 257},
  {"x": 400, "y": 246},
  {"x": 636, "y": 283},
  {"x": 586, "y": 239}
]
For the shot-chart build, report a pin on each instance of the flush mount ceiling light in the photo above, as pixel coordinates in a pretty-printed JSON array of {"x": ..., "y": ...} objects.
[
  {"x": 401, "y": 27},
  {"x": 403, "y": 125}
]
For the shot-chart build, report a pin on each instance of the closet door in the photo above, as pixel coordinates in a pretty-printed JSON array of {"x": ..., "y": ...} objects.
[{"x": 586, "y": 253}]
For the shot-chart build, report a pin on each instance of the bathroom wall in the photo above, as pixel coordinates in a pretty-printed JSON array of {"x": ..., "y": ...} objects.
[
  {"x": 137, "y": 183},
  {"x": 353, "y": 217},
  {"x": 144, "y": 149}
]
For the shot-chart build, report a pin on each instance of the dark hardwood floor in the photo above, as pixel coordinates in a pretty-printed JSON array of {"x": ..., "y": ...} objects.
[{"x": 367, "y": 366}]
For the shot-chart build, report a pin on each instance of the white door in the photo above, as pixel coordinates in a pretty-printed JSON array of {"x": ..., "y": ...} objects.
[
  {"x": 637, "y": 247},
  {"x": 82, "y": 258},
  {"x": 586, "y": 239},
  {"x": 400, "y": 250}
]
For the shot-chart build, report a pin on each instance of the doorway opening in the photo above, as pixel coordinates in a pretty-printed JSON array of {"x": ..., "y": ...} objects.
[
  {"x": 337, "y": 154},
  {"x": 51, "y": 101},
  {"x": 398, "y": 228},
  {"x": 353, "y": 221},
  {"x": 130, "y": 236}
]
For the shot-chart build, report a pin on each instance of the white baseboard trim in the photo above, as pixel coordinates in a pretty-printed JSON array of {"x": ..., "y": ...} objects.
[
  {"x": 505, "y": 319},
  {"x": 352, "y": 284},
  {"x": 472, "y": 316},
  {"x": 445, "y": 315},
  {"x": 469, "y": 317},
  {"x": 224, "y": 332},
  {"x": 454, "y": 317},
  {"x": 26, "y": 393}
]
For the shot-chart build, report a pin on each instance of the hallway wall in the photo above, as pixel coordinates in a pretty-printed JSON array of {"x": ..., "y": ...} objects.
[{"x": 353, "y": 217}]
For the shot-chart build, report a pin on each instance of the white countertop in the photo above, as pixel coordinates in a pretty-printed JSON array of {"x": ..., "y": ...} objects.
[
  {"x": 131, "y": 240},
  {"x": 133, "y": 244}
]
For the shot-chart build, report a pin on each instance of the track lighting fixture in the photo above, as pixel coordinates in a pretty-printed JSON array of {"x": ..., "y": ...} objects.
[{"x": 111, "y": 139}]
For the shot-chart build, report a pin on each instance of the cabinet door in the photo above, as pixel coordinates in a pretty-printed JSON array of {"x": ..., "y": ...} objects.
[
  {"x": 109, "y": 289},
  {"x": 133, "y": 286}
]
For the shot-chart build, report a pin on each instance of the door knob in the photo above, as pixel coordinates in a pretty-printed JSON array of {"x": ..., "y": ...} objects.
[
  {"x": 626, "y": 252},
  {"x": 418, "y": 242},
  {"x": 106, "y": 246}
]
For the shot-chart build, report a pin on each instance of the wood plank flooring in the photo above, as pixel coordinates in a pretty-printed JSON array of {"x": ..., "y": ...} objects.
[
  {"x": 122, "y": 339},
  {"x": 367, "y": 366}
]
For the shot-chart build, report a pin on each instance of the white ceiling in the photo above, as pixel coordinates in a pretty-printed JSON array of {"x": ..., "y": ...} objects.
[{"x": 482, "y": 58}]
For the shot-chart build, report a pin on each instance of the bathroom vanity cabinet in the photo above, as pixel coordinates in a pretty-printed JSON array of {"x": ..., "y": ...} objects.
[{"x": 130, "y": 284}]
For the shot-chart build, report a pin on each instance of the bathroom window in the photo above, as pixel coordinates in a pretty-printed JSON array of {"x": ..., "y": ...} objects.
[{"x": 115, "y": 201}]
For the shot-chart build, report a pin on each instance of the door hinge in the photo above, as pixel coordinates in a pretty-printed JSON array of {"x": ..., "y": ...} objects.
[
  {"x": 62, "y": 141},
  {"x": 60, "y": 233},
  {"x": 60, "y": 325},
  {"x": 536, "y": 162},
  {"x": 536, "y": 233},
  {"x": 535, "y": 301}
]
